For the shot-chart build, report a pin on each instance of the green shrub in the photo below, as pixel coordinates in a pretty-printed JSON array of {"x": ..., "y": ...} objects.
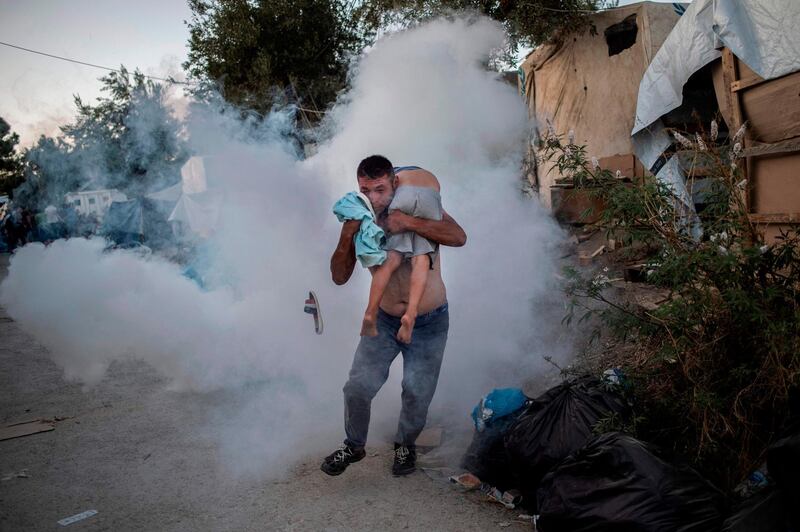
[{"x": 713, "y": 366}]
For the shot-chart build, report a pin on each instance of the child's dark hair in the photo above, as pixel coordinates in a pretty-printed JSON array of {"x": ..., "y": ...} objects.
[{"x": 375, "y": 166}]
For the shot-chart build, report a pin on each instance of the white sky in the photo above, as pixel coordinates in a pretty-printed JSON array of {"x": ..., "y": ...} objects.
[{"x": 36, "y": 91}]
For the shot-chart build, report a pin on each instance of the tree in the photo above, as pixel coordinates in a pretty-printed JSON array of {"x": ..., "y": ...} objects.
[
  {"x": 260, "y": 53},
  {"x": 527, "y": 22},
  {"x": 49, "y": 173},
  {"x": 11, "y": 169},
  {"x": 127, "y": 140}
]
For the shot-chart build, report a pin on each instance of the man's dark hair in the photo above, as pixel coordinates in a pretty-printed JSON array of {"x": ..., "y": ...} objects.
[{"x": 375, "y": 166}]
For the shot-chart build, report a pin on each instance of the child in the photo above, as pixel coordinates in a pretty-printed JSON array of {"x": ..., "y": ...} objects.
[{"x": 417, "y": 194}]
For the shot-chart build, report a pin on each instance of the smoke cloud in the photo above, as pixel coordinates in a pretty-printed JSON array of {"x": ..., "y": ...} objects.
[{"x": 422, "y": 97}]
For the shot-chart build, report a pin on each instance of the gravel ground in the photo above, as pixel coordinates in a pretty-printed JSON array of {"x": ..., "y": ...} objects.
[{"x": 134, "y": 451}]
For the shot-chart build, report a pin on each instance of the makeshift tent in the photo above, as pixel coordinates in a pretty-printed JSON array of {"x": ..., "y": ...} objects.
[
  {"x": 197, "y": 212},
  {"x": 763, "y": 34},
  {"x": 169, "y": 194},
  {"x": 588, "y": 83},
  {"x": 135, "y": 221},
  {"x": 744, "y": 44},
  {"x": 193, "y": 175},
  {"x": 188, "y": 204}
]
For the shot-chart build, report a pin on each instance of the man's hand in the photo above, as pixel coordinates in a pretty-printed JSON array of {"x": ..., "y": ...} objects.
[
  {"x": 397, "y": 222},
  {"x": 445, "y": 232}
]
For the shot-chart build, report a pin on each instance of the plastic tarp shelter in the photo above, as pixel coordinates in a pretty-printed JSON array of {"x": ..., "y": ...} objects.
[
  {"x": 193, "y": 181},
  {"x": 581, "y": 83},
  {"x": 199, "y": 212},
  {"x": 134, "y": 221},
  {"x": 764, "y": 34},
  {"x": 193, "y": 175},
  {"x": 188, "y": 201},
  {"x": 170, "y": 194}
]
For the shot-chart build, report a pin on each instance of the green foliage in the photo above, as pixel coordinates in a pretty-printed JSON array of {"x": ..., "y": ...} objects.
[
  {"x": 262, "y": 53},
  {"x": 716, "y": 363},
  {"x": 527, "y": 22},
  {"x": 127, "y": 140},
  {"x": 11, "y": 169},
  {"x": 50, "y": 172}
]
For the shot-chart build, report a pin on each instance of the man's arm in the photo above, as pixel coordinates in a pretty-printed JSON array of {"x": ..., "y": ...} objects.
[
  {"x": 446, "y": 231},
  {"x": 343, "y": 260}
]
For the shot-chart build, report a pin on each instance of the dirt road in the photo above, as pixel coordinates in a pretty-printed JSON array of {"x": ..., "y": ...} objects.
[{"x": 132, "y": 450}]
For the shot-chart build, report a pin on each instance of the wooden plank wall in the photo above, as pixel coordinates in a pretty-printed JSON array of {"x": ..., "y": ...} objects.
[{"x": 772, "y": 145}]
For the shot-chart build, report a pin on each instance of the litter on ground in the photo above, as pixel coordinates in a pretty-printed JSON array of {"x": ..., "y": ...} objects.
[{"x": 77, "y": 517}]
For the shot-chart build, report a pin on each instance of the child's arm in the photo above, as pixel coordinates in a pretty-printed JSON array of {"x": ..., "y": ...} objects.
[
  {"x": 343, "y": 260},
  {"x": 445, "y": 232}
]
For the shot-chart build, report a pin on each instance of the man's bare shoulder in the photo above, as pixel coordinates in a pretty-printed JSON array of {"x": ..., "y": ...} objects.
[{"x": 418, "y": 178}]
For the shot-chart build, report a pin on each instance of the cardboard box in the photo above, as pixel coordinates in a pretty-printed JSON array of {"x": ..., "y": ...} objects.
[
  {"x": 569, "y": 204},
  {"x": 628, "y": 165}
]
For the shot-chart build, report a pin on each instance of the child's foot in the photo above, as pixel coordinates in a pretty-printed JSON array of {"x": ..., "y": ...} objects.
[
  {"x": 406, "y": 328},
  {"x": 369, "y": 326}
]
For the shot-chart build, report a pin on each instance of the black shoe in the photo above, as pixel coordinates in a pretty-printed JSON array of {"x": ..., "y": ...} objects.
[
  {"x": 336, "y": 462},
  {"x": 405, "y": 459}
]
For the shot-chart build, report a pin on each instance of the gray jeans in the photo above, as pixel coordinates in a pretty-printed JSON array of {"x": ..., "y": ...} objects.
[{"x": 422, "y": 359}]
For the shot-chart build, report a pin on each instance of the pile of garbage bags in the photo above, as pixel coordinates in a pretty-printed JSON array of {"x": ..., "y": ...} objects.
[
  {"x": 550, "y": 450},
  {"x": 616, "y": 482},
  {"x": 556, "y": 425}
]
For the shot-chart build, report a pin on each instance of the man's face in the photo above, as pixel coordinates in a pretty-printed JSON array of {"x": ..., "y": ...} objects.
[{"x": 380, "y": 191}]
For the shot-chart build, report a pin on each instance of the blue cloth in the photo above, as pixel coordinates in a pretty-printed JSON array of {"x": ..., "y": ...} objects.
[
  {"x": 499, "y": 403},
  {"x": 370, "y": 237}
]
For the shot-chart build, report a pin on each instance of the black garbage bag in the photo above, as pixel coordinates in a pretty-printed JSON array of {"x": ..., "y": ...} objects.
[
  {"x": 486, "y": 456},
  {"x": 783, "y": 463},
  {"x": 616, "y": 484},
  {"x": 555, "y": 425},
  {"x": 766, "y": 511}
]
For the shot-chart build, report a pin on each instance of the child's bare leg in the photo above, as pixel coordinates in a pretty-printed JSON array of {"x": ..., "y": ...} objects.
[
  {"x": 380, "y": 278},
  {"x": 420, "y": 265}
]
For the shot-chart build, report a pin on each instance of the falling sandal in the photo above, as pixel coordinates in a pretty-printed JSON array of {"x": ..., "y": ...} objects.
[{"x": 312, "y": 307}]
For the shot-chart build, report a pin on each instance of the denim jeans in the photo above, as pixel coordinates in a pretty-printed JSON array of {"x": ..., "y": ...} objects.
[{"x": 422, "y": 359}]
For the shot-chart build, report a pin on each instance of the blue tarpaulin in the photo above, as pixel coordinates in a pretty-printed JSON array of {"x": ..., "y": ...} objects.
[{"x": 135, "y": 221}]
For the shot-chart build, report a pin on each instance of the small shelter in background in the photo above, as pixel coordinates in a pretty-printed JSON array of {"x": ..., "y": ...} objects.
[
  {"x": 588, "y": 83},
  {"x": 136, "y": 221},
  {"x": 94, "y": 202},
  {"x": 191, "y": 209},
  {"x": 157, "y": 218},
  {"x": 741, "y": 60}
]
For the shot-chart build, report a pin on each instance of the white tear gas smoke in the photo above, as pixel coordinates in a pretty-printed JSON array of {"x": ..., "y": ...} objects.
[{"x": 420, "y": 97}]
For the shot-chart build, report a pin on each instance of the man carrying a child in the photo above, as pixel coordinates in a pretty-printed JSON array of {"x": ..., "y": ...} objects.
[{"x": 420, "y": 332}]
